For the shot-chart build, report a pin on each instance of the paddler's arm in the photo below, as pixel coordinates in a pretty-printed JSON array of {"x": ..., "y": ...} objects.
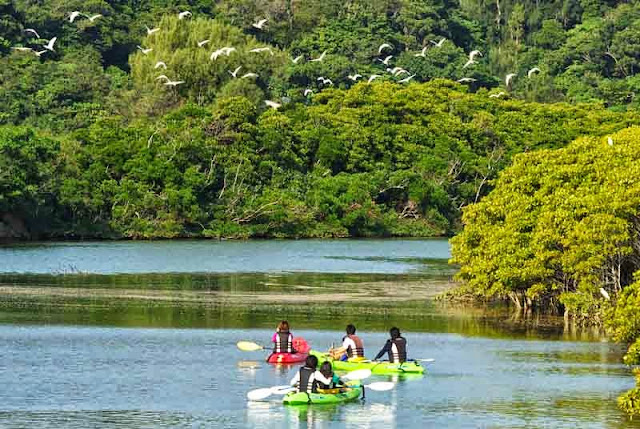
[
  {"x": 318, "y": 376},
  {"x": 385, "y": 349},
  {"x": 295, "y": 380}
]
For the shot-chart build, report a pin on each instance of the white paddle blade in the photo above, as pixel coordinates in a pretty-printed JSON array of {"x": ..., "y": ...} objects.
[
  {"x": 426, "y": 360},
  {"x": 358, "y": 374},
  {"x": 248, "y": 346},
  {"x": 381, "y": 386},
  {"x": 258, "y": 394}
]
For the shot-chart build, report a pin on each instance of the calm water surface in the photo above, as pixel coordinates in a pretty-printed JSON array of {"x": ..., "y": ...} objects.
[
  {"x": 148, "y": 339},
  {"x": 86, "y": 377},
  {"x": 183, "y": 256}
]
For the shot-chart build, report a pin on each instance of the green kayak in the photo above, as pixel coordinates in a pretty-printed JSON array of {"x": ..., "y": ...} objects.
[
  {"x": 344, "y": 395},
  {"x": 410, "y": 367}
]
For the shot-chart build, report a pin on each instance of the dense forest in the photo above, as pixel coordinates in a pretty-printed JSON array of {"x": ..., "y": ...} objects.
[
  {"x": 248, "y": 118},
  {"x": 561, "y": 230}
]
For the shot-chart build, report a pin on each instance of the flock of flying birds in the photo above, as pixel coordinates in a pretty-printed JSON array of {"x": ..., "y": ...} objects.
[
  {"x": 48, "y": 47},
  {"x": 259, "y": 25}
]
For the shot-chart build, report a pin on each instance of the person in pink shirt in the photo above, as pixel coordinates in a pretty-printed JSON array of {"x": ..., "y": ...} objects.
[{"x": 283, "y": 339}]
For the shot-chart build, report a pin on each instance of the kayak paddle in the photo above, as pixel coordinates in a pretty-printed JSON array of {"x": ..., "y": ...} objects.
[
  {"x": 258, "y": 394},
  {"x": 248, "y": 346},
  {"x": 380, "y": 386}
]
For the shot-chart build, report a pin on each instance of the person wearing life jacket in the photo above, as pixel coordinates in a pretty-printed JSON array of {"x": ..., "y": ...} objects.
[
  {"x": 308, "y": 378},
  {"x": 327, "y": 371},
  {"x": 353, "y": 345},
  {"x": 396, "y": 347},
  {"x": 283, "y": 339}
]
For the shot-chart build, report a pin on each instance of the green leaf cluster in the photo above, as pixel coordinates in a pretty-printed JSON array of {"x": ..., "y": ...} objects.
[{"x": 558, "y": 226}]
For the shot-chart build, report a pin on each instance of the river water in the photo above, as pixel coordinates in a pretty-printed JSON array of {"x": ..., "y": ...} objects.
[{"x": 143, "y": 335}]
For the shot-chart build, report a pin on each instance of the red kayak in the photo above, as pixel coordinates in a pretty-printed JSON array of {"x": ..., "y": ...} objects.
[{"x": 302, "y": 351}]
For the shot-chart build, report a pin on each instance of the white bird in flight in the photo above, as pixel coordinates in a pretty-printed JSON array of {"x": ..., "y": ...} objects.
[
  {"x": 386, "y": 60},
  {"x": 162, "y": 76},
  {"x": 509, "y": 78},
  {"x": 466, "y": 79},
  {"x": 605, "y": 294},
  {"x": 227, "y": 50},
  {"x": 422, "y": 53},
  {"x": 202, "y": 43},
  {"x": 22, "y": 48},
  {"x": 610, "y": 143},
  {"x": 215, "y": 54},
  {"x": 296, "y": 59},
  {"x": 532, "y": 71},
  {"x": 438, "y": 44},
  {"x": 468, "y": 63},
  {"x": 145, "y": 51},
  {"x": 259, "y": 24},
  {"x": 49, "y": 45},
  {"x": 308, "y": 91},
  {"x": 372, "y": 77},
  {"x": 354, "y": 77},
  {"x": 248, "y": 75},
  {"x": 407, "y": 79},
  {"x": 93, "y": 17},
  {"x": 384, "y": 46},
  {"x": 474, "y": 54},
  {"x": 272, "y": 104},
  {"x": 324, "y": 80},
  {"x": 320, "y": 58},
  {"x": 39, "y": 53},
  {"x": 174, "y": 83},
  {"x": 160, "y": 64},
  {"x": 184, "y": 14},
  {"x": 150, "y": 31},
  {"x": 31, "y": 30},
  {"x": 498, "y": 95},
  {"x": 265, "y": 49},
  {"x": 74, "y": 15},
  {"x": 235, "y": 72}
]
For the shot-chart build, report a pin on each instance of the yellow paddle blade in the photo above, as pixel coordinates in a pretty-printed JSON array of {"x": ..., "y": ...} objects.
[{"x": 248, "y": 346}]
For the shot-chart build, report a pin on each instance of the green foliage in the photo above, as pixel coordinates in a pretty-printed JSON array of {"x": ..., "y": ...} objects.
[
  {"x": 27, "y": 167},
  {"x": 558, "y": 226},
  {"x": 374, "y": 160},
  {"x": 135, "y": 158},
  {"x": 177, "y": 46}
]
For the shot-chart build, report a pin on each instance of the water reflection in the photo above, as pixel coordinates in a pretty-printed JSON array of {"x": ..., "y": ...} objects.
[
  {"x": 370, "y": 414},
  {"x": 317, "y": 301}
]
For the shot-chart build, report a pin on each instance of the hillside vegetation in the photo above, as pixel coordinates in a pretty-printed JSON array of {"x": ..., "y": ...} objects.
[{"x": 140, "y": 120}]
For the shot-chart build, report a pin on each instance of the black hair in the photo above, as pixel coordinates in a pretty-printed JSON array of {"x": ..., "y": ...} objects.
[
  {"x": 351, "y": 329},
  {"x": 395, "y": 332},
  {"x": 311, "y": 362},
  {"x": 325, "y": 369}
]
